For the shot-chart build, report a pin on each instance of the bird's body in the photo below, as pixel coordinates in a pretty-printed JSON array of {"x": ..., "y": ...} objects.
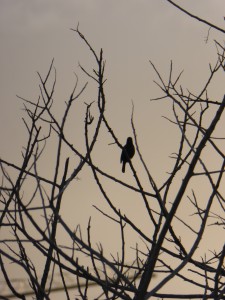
[{"x": 127, "y": 153}]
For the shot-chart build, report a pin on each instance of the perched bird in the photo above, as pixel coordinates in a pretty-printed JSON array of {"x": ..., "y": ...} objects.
[{"x": 127, "y": 153}]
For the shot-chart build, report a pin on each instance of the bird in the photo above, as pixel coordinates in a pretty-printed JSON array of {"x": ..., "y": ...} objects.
[{"x": 127, "y": 153}]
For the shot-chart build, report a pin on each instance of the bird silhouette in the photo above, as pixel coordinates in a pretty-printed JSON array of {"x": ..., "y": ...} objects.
[{"x": 127, "y": 153}]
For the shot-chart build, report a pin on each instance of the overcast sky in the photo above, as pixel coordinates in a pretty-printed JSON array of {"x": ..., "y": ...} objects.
[{"x": 131, "y": 33}]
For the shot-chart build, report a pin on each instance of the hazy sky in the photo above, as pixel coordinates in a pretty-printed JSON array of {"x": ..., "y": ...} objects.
[{"x": 131, "y": 33}]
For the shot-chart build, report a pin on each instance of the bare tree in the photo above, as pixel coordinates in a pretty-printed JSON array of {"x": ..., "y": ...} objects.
[{"x": 162, "y": 251}]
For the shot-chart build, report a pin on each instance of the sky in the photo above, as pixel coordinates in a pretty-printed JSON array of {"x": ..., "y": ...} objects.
[{"x": 131, "y": 33}]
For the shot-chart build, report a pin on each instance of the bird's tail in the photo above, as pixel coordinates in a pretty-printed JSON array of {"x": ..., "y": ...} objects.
[{"x": 123, "y": 167}]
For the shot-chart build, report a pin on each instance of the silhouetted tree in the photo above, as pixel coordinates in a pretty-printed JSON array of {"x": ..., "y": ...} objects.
[{"x": 35, "y": 220}]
